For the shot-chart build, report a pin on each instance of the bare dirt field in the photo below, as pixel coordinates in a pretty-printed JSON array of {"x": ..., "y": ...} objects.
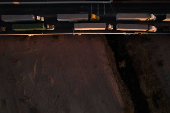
[
  {"x": 150, "y": 57},
  {"x": 45, "y": 0},
  {"x": 69, "y": 74},
  {"x": 142, "y": 0}
]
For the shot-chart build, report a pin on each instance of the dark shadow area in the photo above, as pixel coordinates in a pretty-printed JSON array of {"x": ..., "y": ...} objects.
[{"x": 128, "y": 73}]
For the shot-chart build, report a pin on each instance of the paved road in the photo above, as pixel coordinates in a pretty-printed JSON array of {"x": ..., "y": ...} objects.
[
  {"x": 89, "y": 8},
  {"x": 55, "y": 9},
  {"x": 68, "y": 27},
  {"x": 107, "y": 13}
]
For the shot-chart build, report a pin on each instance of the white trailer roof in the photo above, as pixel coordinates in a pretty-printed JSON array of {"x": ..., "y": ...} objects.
[
  {"x": 132, "y": 27},
  {"x": 17, "y": 17},
  {"x": 72, "y": 16},
  {"x": 167, "y": 17},
  {"x": 89, "y": 26},
  {"x": 132, "y": 15}
]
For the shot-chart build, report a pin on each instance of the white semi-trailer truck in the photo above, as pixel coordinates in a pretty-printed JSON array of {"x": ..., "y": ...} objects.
[
  {"x": 136, "y": 27},
  {"x": 135, "y": 17},
  {"x": 77, "y": 17},
  {"x": 89, "y": 26},
  {"x": 92, "y": 26},
  {"x": 18, "y": 18},
  {"x": 167, "y": 17}
]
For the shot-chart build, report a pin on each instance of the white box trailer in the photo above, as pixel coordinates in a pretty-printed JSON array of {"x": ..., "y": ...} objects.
[
  {"x": 167, "y": 17},
  {"x": 18, "y": 18},
  {"x": 89, "y": 26},
  {"x": 72, "y": 17},
  {"x": 136, "y": 27},
  {"x": 135, "y": 16}
]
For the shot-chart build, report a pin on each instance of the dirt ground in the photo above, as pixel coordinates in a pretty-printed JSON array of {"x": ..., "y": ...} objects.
[
  {"x": 159, "y": 52},
  {"x": 45, "y": 0},
  {"x": 150, "y": 55},
  {"x": 69, "y": 74}
]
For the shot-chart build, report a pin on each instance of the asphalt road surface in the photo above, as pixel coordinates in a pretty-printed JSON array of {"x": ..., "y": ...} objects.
[
  {"x": 107, "y": 12},
  {"x": 70, "y": 74},
  {"x": 158, "y": 49},
  {"x": 88, "y": 8},
  {"x": 68, "y": 27}
]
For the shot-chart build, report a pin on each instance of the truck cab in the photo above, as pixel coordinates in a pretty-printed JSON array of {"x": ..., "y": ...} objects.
[
  {"x": 152, "y": 17},
  {"x": 152, "y": 29},
  {"x": 110, "y": 27},
  {"x": 2, "y": 29},
  {"x": 94, "y": 17},
  {"x": 39, "y": 18},
  {"x": 50, "y": 27}
]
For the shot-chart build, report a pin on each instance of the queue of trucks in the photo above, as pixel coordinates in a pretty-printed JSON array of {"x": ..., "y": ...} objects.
[
  {"x": 87, "y": 20},
  {"x": 26, "y": 26},
  {"x": 119, "y": 27}
]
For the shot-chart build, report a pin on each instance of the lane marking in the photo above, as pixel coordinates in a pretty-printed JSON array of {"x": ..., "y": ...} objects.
[
  {"x": 104, "y": 9},
  {"x": 91, "y": 8},
  {"x": 98, "y": 9},
  {"x": 112, "y": 8}
]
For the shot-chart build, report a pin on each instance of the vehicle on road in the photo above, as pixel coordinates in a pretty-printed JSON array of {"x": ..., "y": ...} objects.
[
  {"x": 28, "y": 27},
  {"x": 135, "y": 17},
  {"x": 50, "y": 27},
  {"x": 89, "y": 26},
  {"x": 136, "y": 27},
  {"x": 110, "y": 27},
  {"x": 167, "y": 17},
  {"x": 2, "y": 29},
  {"x": 19, "y": 18},
  {"x": 77, "y": 17}
]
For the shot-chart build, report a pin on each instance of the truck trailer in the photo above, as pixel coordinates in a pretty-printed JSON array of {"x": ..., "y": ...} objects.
[
  {"x": 77, "y": 17},
  {"x": 135, "y": 17},
  {"x": 89, "y": 26},
  {"x": 28, "y": 27},
  {"x": 18, "y": 18},
  {"x": 135, "y": 27},
  {"x": 167, "y": 17}
]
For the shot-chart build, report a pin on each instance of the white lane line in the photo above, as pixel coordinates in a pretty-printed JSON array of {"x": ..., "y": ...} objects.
[
  {"x": 97, "y": 9},
  {"x": 104, "y": 9},
  {"x": 91, "y": 8}
]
